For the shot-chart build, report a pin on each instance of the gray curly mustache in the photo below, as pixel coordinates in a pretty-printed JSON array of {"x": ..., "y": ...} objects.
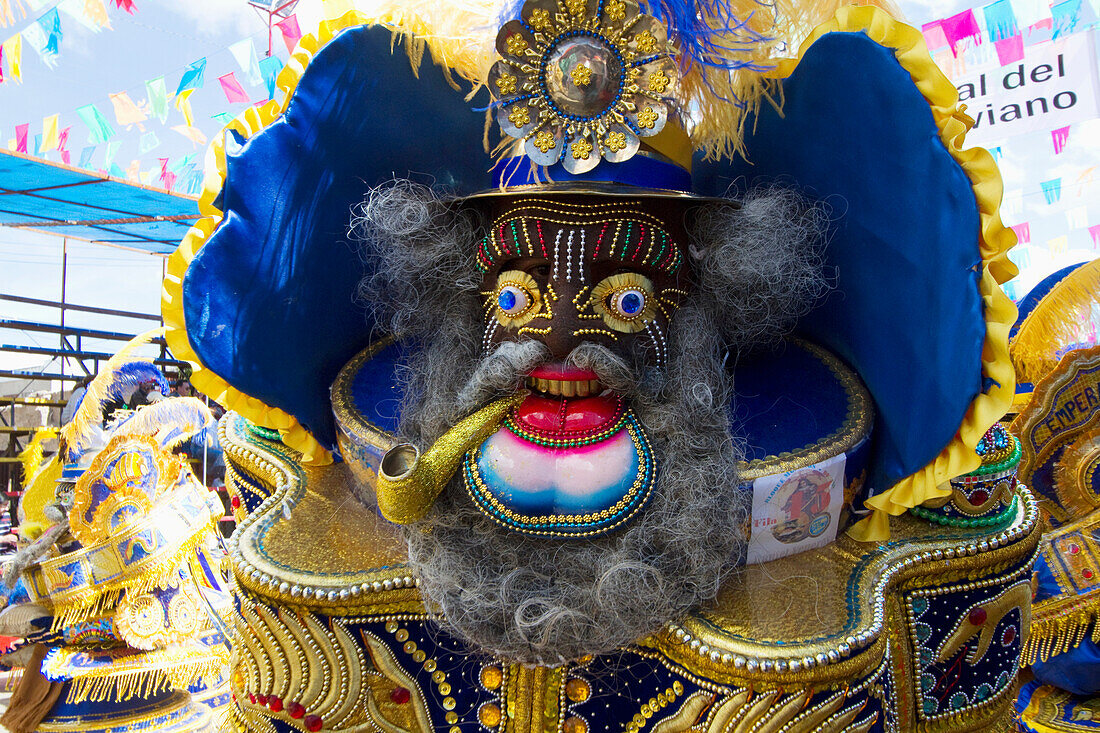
[{"x": 505, "y": 369}]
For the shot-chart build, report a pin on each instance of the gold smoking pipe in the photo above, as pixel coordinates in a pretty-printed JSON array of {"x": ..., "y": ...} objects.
[{"x": 409, "y": 481}]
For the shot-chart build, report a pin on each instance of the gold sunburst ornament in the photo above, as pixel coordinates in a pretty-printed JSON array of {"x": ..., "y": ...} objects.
[{"x": 582, "y": 80}]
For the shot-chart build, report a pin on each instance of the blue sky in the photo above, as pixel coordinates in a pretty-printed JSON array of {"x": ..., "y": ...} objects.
[{"x": 163, "y": 38}]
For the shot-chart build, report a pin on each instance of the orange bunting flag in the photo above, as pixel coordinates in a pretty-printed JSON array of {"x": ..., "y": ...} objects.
[
  {"x": 96, "y": 12},
  {"x": 50, "y": 133},
  {"x": 126, "y": 112},
  {"x": 193, "y": 134},
  {"x": 6, "y": 16}
]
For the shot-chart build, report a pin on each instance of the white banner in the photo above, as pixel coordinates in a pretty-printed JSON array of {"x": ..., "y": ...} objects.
[{"x": 1054, "y": 85}]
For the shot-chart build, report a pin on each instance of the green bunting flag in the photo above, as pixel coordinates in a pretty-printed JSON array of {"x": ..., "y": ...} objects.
[{"x": 100, "y": 130}]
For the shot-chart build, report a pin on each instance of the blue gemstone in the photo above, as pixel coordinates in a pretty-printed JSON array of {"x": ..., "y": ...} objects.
[
  {"x": 506, "y": 300},
  {"x": 631, "y": 303}
]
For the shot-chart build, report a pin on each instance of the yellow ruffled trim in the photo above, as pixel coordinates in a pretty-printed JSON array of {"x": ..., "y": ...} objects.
[
  {"x": 959, "y": 456},
  {"x": 248, "y": 123}
]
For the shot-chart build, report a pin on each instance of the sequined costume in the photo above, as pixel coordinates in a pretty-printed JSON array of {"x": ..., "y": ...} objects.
[
  {"x": 851, "y": 613},
  {"x": 113, "y": 593}
]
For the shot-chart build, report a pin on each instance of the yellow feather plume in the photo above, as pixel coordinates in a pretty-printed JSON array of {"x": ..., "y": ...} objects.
[
  {"x": 1060, "y": 320},
  {"x": 39, "y": 492},
  {"x": 31, "y": 456}
]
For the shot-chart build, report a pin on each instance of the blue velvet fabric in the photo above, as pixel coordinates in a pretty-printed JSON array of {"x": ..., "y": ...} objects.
[
  {"x": 1077, "y": 671},
  {"x": 269, "y": 299},
  {"x": 785, "y": 399},
  {"x": 906, "y": 311}
]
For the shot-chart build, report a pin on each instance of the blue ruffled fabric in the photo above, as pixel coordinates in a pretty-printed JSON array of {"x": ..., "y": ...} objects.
[{"x": 270, "y": 299}]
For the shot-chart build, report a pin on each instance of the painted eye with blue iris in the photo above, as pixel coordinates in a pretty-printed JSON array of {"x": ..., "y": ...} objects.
[
  {"x": 625, "y": 301},
  {"x": 517, "y": 298}
]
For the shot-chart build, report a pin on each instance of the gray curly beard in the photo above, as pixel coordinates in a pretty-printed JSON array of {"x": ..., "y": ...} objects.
[
  {"x": 545, "y": 601},
  {"x": 548, "y": 601}
]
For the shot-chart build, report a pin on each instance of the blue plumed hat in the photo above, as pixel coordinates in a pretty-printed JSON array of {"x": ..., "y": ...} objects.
[{"x": 681, "y": 98}]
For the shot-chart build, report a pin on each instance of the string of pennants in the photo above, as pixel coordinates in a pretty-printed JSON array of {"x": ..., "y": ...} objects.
[
  {"x": 1009, "y": 26},
  {"x": 182, "y": 175}
]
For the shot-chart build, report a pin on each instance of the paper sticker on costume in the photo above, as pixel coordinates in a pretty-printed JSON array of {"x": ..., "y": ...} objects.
[{"x": 797, "y": 510}]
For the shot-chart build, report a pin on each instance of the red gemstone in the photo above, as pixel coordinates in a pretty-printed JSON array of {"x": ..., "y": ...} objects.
[
  {"x": 1086, "y": 573},
  {"x": 235, "y": 502},
  {"x": 313, "y": 723},
  {"x": 261, "y": 699},
  {"x": 275, "y": 703},
  {"x": 1074, "y": 549},
  {"x": 295, "y": 710},
  {"x": 400, "y": 695},
  {"x": 979, "y": 497},
  {"x": 1009, "y": 635},
  {"x": 977, "y": 616},
  {"x": 252, "y": 698}
]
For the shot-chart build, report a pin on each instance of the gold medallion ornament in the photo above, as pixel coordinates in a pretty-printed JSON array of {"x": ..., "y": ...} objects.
[{"x": 582, "y": 80}]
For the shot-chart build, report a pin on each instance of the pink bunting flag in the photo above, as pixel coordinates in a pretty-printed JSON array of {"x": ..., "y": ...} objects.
[
  {"x": 166, "y": 177},
  {"x": 127, "y": 5},
  {"x": 1039, "y": 32},
  {"x": 233, "y": 90},
  {"x": 289, "y": 28},
  {"x": 21, "y": 132},
  {"x": 1094, "y": 232},
  {"x": 62, "y": 145},
  {"x": 1023, "y": 232},
  {"x": 1060, "y": 138},
  {"x": 1, "y": 63},
  {"x": 934, "y": 37},
  {"x": 960, "y": 26},
  {"x": 1010, "y": 50}
]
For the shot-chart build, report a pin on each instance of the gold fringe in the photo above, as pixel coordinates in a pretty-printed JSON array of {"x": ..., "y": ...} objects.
[
  {"x": 1055, "y": 323},
  {"x": 99, "y": 599},
  {"x": 1059, "y": 632},
  {"x": 1076, "y": 498},
  {"x": 178, "y": 671}
]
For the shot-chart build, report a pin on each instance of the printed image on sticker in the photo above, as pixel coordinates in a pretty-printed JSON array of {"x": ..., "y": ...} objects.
[
  {"x": 796, "y": 510},
  {"x": 804, "y": 499}
]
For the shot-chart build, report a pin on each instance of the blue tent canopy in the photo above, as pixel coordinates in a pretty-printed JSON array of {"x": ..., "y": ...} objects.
[{"x": 64, "y": 201}]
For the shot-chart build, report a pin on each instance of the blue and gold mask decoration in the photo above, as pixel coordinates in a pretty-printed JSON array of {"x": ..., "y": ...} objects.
[
  {"x": 635, "y": 107},
  {"x": 119, "y": 583},
  {"x": 583, "y": 85}
]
